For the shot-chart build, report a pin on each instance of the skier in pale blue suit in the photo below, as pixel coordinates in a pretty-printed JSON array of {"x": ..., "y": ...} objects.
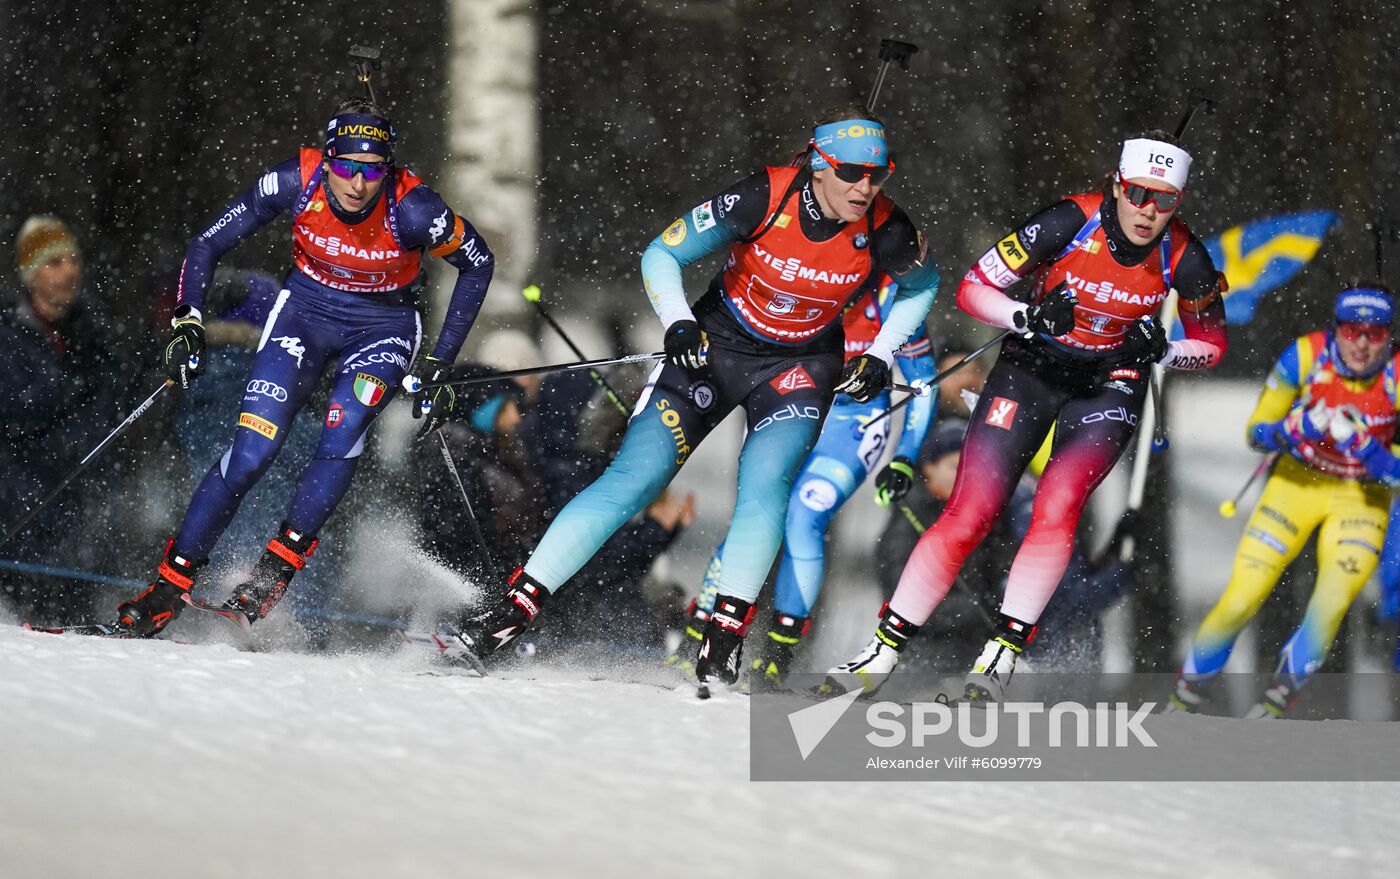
[
  {"x": 852, "y": 442},
  {"x": 804, "y": 242}
]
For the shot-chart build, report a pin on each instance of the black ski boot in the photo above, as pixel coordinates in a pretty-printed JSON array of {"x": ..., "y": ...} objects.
[
  {"x": 722, "y": 646},
  {"x": 695, "y": 621},
  {"x": 775, "y": 656},
  {"x": 148, "y": 613},
  {"x": 487, "y": 631},
  {"x": 286, "y": 554}
]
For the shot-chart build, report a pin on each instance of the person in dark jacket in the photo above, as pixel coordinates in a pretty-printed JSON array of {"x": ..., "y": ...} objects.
[
  {"x": 65, "y": 386},
  {"x": 505, "y": 495},
  {"x": 571, "y": 435}
]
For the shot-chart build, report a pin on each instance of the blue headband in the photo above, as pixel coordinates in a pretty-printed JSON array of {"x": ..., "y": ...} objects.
[
  {"x": 360, "y": 133},
  {"x": 858, "y": 141},
  {"x": 1363, "y": 305}
]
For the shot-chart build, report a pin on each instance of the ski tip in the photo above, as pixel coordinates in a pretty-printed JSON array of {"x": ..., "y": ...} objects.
[
  {"x": 238, "y": 620},
  {"x": 95, "y": 629},
  {"x": 702, "y": 691}
]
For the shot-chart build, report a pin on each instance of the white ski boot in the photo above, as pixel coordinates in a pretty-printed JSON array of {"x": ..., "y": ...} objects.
[
  {"x": 1188, "y": 696},
  {"x": 992, "y": 671},
  {"x": 872, "y": 666},
  {"x": 1274, "y": 704}
]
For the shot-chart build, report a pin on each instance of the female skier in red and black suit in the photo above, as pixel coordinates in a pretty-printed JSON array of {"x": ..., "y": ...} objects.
[{"x": 1101, "y": 265}]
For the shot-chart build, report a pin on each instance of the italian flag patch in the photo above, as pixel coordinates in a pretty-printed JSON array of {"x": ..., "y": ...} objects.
[{"x": 368, "y": 389}]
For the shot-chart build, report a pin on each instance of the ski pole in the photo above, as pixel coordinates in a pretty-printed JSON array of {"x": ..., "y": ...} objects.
[
  {"x": 891, "y": 51},
  {"x": 532, "y": 295},
  {"x": 1230, "y": 507},
  {"x": 471, "y": 514},
  {"x": 931, "y": 383},
  {"x": 1159, "y": 424},
  {"x": 918, "y": 389},
  {"x": 87, "y": 459},
  {"x": 914, "y": 391},
  {"x": 1148, "y": 438},
  {"x": 413, "y": 385}
]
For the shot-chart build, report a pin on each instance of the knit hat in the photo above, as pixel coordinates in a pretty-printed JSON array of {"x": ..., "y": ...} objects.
[
  {"x": 40, "y": 239},
  {"x": 479, "y": 403},
  {"x": 509, "y": 349}
]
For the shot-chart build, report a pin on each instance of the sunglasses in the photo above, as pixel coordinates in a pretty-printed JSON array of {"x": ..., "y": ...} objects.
[
  {"x": 348, "y": 168},
  {"x": 852, "y": 172},
  {"x": 1139, "y": 196},
  {"x": 1373, "y": 333}
]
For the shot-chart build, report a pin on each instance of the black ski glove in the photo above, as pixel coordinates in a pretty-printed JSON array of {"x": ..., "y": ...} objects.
[
  {"x": 1144, "y": 343},
  {"x": 894, "y": 481},
  {"x": 686, "y": 344},
  {"x": 1051, "y": 316},
  {"x": 184, "y": 353},
  {"x": 433, "y": 405},
  {"x": 864, "y": 377}
]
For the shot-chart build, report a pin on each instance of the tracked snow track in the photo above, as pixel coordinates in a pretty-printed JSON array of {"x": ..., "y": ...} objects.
[{"x": 223, "y": 763}]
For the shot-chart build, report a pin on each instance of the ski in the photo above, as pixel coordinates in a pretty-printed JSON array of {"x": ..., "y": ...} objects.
[
  {"x": 99, "y": 630},
  {"x": 449, "y": 649},
  {"x": 232, "y": 617}
]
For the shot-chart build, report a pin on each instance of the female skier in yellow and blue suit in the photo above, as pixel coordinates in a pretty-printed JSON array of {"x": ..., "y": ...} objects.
[{"x": 1329, "y": 409}]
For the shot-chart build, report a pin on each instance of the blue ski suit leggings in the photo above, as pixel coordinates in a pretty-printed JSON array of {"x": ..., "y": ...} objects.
[
  {"x": 371, "y": 345},
  {"x": 843, "y": 457},
  {"x": 785, "y": 395}
]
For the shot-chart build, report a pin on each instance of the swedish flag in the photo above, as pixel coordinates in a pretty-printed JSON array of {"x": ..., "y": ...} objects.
[{"x": 1258, "y": 257}]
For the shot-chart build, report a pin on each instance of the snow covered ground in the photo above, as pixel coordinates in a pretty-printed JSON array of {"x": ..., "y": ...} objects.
[{"x": 155, "y": 759}]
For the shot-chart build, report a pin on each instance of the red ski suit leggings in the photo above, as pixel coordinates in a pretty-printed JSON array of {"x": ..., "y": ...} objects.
[{"x": 1094, "y": 412}]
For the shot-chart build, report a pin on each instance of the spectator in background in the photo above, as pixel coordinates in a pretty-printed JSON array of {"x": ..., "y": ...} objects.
[
  {"x": 505, "y": 495},
  {"x": 571, "y": 435},
  {"x": 507, "y": 350},
  {"x": 1071, "y": 631},
  {"x": 66, "y": 385}
]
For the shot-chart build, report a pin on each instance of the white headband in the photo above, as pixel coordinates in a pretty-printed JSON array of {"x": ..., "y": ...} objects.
[{"x": 1154, "y": 158}]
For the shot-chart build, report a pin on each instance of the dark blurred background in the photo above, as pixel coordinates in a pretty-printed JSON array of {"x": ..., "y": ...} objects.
[{"x": 139, "y": 121}]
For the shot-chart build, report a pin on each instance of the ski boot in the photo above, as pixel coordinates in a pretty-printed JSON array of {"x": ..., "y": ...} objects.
[
  {"x": 992, "y": 671},
  {"x": 148, "y": 613},
  {"x": 722, "y": 645},
  {"x": 286, "y": 554},
  {"x": 695, "y": 622},
  {"x": 775, "y": 657},
  {"x": 1275, "y": 702},
  {"x": 1189, "y": 696},
  {"x": 872, "y": 666},
  {"x": 487, "y": 631}
]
